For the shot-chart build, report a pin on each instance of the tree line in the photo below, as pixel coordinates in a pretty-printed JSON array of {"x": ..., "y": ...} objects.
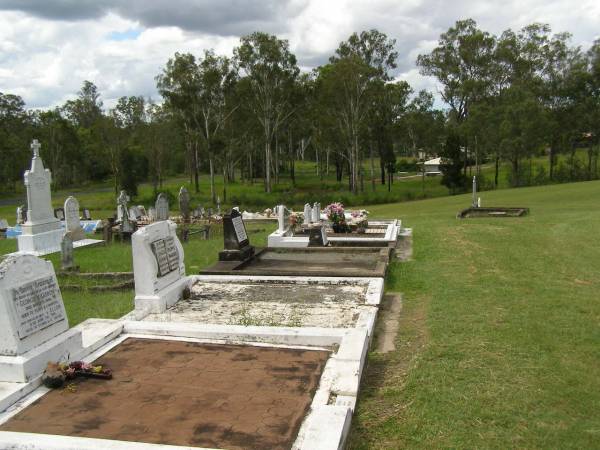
[{"x": 509, "y": 98}]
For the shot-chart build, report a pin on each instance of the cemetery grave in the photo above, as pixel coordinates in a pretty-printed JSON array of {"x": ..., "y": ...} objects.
[{"x": 476, "y": 210}]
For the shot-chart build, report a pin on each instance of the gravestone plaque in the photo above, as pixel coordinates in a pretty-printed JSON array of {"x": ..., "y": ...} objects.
[
  {"x": 162, "y": 207},
  {"x": 159, "y": 249},
  {"x": 237, "y": 244},
  {"x": 31, "y": 306}
]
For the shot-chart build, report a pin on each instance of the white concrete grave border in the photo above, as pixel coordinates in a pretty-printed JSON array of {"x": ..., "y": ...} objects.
[
  {"x": 366, "y": 318},
  {"x": 326, "y": 425}
]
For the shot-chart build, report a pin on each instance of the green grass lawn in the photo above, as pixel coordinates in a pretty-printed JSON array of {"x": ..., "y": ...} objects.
[{"x": 499, "y": 345}]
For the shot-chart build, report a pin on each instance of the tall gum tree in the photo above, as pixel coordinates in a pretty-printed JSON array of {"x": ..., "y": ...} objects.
[{"x": 271, "y": 70}]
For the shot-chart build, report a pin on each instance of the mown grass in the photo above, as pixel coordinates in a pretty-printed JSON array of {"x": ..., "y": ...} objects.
[{"x": 500, "y": 329}]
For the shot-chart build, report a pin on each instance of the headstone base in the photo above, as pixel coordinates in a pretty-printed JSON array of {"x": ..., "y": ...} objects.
[
  {"x": 25, "y": 367},
  {"x": 237, "y": 255},
  {"x": 41, "y": 243},
  {"x": 163, "y": 299}
]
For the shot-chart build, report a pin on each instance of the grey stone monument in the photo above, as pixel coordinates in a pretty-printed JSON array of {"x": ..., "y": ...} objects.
[
  {"x": 162, "y": 207},
  {"x": 184, "y": 204},
  {"x": 474, "y": 199},
  {"x": 307, "y": 214},
  {"x": 66, "y": 253}
]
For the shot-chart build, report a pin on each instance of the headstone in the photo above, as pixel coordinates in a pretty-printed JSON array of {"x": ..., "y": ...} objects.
[
  {"x": 59, "y": 213},
  {"x": 237, "y": 244},
  {"x": 3, "y": 224},
  {"x": 72, "y": 222},
  {"x": 307, "y": 214},
  {"x": 42, "y": 232},
  {"x": 162, "y": 207},
  {"x": 474, "y": 200},
  {"x": 316, "y": 212},
  {"x": 133, "y": 213},
  {"x": 317, "y": 237},
  {"x": 107, "y": 231},
  {"x": 66, "y": 253},
  {"x": 127, "y": 227},
  {"x": 86, "y": 214},
  {"x": 151, "y": 214},
  {"x": 31, "y": 304},
  {"x": 184, "y": 204},
  {"x": 33, "y": 322},
  {"x": 158, "y": 266},
  {"x": 479, "y": 202},
  {"x": 142, "y": 211}
]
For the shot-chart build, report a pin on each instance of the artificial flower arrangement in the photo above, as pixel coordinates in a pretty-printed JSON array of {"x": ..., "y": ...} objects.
[
  {"x": 335, "y": 214},
  {"x": 56, "y": 374},
  {"x": 295, "y": 220},
  {"x": 358, "y": 220}
]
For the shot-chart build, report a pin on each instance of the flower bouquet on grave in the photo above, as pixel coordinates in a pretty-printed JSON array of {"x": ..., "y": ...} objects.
[
  {"x": 335, "y": 214},
  {"x": 295, "y": 220},
  {"x": 56, "y": 374},
  {"x": 358, "y": 221}
]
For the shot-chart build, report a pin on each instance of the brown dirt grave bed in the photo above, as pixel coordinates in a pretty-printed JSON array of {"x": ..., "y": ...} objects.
[{"x": 186, "y": 393}]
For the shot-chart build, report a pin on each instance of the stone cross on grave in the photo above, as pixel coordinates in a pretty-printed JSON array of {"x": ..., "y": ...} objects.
[{"x": 35, "y": 146}]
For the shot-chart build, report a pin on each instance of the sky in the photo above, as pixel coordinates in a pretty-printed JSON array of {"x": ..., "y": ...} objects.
[{"x": 49, "y": 47}]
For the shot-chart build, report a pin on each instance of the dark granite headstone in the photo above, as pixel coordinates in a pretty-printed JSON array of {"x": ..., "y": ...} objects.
[
  {"x": 237, "y": 244},
  {"x": 317, "y": 237}
]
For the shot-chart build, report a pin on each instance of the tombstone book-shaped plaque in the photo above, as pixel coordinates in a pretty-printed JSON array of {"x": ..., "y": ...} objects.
[
  {"x": 237, "y": 244},
  {"x": 31, "y": 307},
  {"x": 158, "y": 266}
]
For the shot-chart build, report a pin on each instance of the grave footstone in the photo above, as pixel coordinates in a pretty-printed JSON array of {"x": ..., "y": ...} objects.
[
  {"x": 72, "y": 222},
  {"x": 32, "y": 314},
  {"x": 184, "y": 204},
  {"x": 158, "y": 266},
  {"x": 162, "y": 207},
  {"x": 237, "y": 243},
  {"x": 41, "y": 232},
  {"x": 66, "y": 253}
]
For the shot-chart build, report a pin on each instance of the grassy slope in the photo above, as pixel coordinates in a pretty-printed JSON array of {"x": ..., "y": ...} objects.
[{"x": 500, "y": 329}]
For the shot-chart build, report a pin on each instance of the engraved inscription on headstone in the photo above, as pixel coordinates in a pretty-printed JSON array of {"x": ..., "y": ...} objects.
[
  {"x": 172, "y": 253},
  {"x": 37, "y": 306},
  {"x": 162, "y": 259},
  {"x": 240, "y": 229}
]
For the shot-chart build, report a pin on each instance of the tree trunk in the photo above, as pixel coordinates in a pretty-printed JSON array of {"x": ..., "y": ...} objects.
[
  {"x": 372, "y": 168},
  {"x": 213, "y": 194},
  {"x": 268, "y": 166},
  {"x": 195, "y": 168},
  {"x": 496, "y": 172}
]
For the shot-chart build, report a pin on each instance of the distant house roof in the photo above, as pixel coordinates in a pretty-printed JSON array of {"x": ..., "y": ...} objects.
[{"x": 433, "y": 162}]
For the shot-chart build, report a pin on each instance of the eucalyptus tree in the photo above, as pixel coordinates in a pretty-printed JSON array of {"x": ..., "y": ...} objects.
[
  {"x": 349, "y": 82},
  {"x": 14, "y": 127},
  {"x": 270, "y": 70},
  {"x": 216, "y": 81},
  {"x": 179, "y": 85}
]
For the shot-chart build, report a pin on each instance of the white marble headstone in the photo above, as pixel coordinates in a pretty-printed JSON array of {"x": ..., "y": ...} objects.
[
  {"x": 307, "y": 214},
  {"x": 31, "y": 307},
  {"x": 72, "y": 222},
  {"x": 158, "y": 263}
]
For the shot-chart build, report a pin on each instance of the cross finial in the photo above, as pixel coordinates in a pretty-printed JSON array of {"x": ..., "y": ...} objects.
[{"x": 35, "y": 146}]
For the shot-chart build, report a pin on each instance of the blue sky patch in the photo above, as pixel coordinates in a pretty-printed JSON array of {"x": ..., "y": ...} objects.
[{"x": 127, "y": 35}]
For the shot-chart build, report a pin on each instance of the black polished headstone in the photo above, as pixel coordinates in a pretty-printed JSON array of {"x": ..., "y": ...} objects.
[{"x": 236, "y": 242}]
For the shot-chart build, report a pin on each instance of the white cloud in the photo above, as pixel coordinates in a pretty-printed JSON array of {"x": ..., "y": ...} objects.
[{"x": 47, "y": 49}]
